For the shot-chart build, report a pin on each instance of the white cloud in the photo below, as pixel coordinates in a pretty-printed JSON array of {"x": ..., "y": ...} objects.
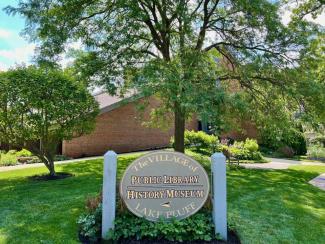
[
  {"x": 3, "y": 66},
  {"x": 286, "y": 17},
  {"x": 16, "y": 55},
  {"x": 66, "y": 59},
  {"x": 14, "y": 49},
  {"x": 319, "y": 20},
  {"x": 5, "y": 34},
  {"x": 286, "y": 13},
  {"x": 75, "y": 45},
  {"x": 23, "y": 54},
  {"x": 19, "y": 54}
]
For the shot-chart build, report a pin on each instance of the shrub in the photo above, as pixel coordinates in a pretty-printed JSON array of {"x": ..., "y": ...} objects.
[
  {"x": 251, "y": 145},
  {"x": 93, "y": 202},
  {"x": 287, "y": 151},
  {"x": 24, "y": 153},
  {"x": 12, "y": 152},
  {"x": 319, "y": 140},
  {"x": 316, "y": 152},
  {"x": 248, "y": 150},
  {"x": 278, "y": 139},
  {"x": 8, "y": 159},
  {"x": 298, "y": 143},
  {"x": 61, "y": 158},
  {"x": 199, "y": 140}
]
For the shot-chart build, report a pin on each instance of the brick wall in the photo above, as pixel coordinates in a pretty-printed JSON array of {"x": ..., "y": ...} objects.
[{"x": 121, "y": 130}]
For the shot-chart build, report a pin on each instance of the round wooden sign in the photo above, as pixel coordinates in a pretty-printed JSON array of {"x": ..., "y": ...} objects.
[{"x": 164, "y": 185}]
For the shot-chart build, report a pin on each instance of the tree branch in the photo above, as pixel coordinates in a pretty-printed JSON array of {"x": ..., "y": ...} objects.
[{"x": 206, "y": 18}]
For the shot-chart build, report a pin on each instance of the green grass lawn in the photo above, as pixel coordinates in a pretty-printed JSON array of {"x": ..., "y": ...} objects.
[{"x": 263, "y": 206}]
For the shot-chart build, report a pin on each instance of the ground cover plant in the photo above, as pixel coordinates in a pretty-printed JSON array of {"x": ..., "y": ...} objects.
[
  {"x": 263, "y": 206},
  {"x": 198, "y": 227}
]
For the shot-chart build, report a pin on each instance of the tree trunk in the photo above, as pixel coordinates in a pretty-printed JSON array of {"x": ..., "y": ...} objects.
[
  {"x": 5, "y": 145},
  {"x": 48, "y": 160},
  {"x": 51, "y": 168},
  {"x": 179, "y": 129},
  {"x": 49, "y": 163}
]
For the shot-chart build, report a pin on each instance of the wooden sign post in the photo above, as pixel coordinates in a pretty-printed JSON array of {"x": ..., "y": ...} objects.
[
  {"x": 219, "y": 194},
  {"x": 109, "y": 192}
]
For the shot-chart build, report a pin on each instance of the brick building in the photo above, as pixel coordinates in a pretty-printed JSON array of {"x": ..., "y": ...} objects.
[{"x": 119, "y": 127}]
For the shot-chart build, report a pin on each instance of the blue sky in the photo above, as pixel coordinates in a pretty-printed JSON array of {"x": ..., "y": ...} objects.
[{"x": 14, "y": 49}]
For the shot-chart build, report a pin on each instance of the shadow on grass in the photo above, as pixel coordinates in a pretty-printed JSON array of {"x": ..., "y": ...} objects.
[
  {"x": 47, "y": 211},
  {"x": 275, "y": 206}
]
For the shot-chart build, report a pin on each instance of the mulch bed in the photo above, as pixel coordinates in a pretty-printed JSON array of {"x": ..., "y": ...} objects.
[
  {"x": 232, "y": 239},
  {"x": 47, "y": 177}
]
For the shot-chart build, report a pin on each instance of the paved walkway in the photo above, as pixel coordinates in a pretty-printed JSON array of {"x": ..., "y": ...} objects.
[
  {"x": 274, "y": 163},
  {"x": 278, "y": 163},
  {"x": 319, "y": 181},
  {"x": 26, "y": 166}
]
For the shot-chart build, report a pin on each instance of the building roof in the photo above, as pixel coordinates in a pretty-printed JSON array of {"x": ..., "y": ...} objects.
[
  {"x": 109, "y": 102},
  {"x": 104, "y": 99}
]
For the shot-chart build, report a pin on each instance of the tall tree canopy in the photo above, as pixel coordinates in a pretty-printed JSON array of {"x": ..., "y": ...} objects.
[
  {"x": 302, "y": 8},
  {"x": 187, "y": 52}
]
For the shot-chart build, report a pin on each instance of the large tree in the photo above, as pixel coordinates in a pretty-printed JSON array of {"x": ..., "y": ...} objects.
[
  {"x": 41, "y": 107},
  {"x": 186, "y": 52},
  {"x": 302, "y": 8}
]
